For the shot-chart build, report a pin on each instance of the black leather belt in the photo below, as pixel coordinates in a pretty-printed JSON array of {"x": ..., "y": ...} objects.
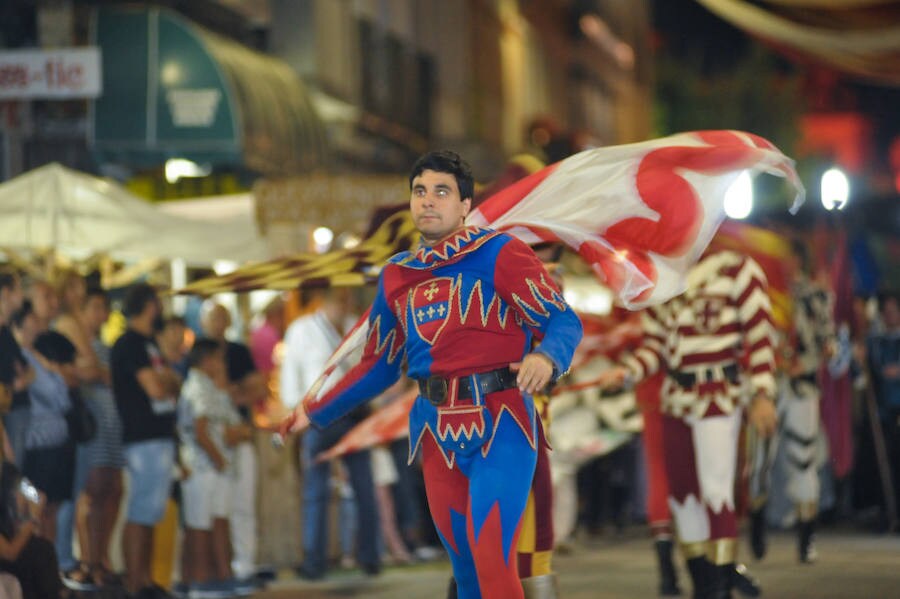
[
  {"x": 435, "y": 389},
  {"x": 809, "y": 377},
  {"x": 688, "y": 380}
]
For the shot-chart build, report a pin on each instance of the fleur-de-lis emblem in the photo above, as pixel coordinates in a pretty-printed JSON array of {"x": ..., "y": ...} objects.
[{"x": 430, "y": 307}]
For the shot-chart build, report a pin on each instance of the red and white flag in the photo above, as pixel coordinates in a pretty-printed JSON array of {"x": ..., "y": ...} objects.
[{"x": 640, "y": 214}]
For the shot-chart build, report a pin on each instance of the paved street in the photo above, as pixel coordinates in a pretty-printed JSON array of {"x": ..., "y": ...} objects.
[{"x": 852, "y": 565}]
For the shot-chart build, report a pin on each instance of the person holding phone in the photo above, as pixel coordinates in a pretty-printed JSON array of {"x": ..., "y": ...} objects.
[{"x": 25, "y": 555}]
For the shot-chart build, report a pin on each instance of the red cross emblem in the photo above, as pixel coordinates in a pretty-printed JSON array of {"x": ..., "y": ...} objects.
[
  {"x": 708, "y": 314},
  {"x": 430, "y": 307}
]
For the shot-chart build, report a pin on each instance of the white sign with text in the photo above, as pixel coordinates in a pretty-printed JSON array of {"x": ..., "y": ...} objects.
[{"x": 50, "y": 74}]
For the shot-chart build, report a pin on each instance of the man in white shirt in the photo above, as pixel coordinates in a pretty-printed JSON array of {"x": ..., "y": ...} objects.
[{"x": 308, "y": 343}]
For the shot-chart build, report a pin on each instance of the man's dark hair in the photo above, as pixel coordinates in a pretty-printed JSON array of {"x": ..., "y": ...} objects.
[
  {"x": 137, "y": 298},
  {"x": 8, "y": 278},
  {"x": 203, "y": 348},
  {"x": 18, "y": 317},
  {"x": 446, "y": 161},
  {"x": 96, "y": 292},
  {"x": 56, "y": 347}
]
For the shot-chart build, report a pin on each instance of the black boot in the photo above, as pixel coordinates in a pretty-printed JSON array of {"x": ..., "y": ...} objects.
[
  {"x": 758, "y": 532},
  {"x": 668, "y": 578},
  {"x": 701, "y": 576},
  {"x": 744, "y": 583},
  {"x": 451, "y": 590},
  {"x": 805, "y": 545},
  {"x": 721, "y": 581}
]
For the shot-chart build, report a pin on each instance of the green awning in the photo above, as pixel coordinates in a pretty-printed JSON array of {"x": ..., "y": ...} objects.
[{"x": 171, "y": 89}]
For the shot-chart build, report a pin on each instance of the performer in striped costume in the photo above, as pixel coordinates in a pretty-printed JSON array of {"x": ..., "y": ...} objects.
[{"x": 712, "y": 341}]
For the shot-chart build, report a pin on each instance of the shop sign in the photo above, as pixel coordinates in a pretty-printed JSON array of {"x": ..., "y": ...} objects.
[{"x": 50, "y": 74}]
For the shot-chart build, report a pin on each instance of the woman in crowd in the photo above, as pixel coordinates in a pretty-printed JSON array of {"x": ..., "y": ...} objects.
[
  {"x": 102, "y": 457},
  {"x": 23, "y": 554},
  {"x": 49, "y": 454}
]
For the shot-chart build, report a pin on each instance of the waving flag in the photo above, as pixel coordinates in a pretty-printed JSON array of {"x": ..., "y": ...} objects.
[
  {"x": 639, "y": 214},
  {"x": 351, "y": 267}
]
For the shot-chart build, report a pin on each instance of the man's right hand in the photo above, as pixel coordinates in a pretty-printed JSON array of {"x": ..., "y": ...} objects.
[{"x": 763, "y": 415}]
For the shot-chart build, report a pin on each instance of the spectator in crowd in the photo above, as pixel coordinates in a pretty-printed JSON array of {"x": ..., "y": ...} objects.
[
  {"x": 103, "y": 457},
  {"x": 884, "y": 363},
  {"x": 246, "y": 386},
  {"x": 172, "y": 346},
  {"x": 71, "y": 290},
  {"x": 145, "y": 391},
  {"x": 309, "y": 341},
  {"x": 267, "y": 336},
  {"x": 44, "y": 301},
  {"x": 25, "y": 555},
  {"x": 209, "y": 427},
  {"x": 174, "y": 340},
  {"x": 49, "y": 449},
  {"x": 15, "y": 373}
]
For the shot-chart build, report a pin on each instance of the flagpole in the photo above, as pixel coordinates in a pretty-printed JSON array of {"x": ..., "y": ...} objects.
[{"x": 881, "y": 458}]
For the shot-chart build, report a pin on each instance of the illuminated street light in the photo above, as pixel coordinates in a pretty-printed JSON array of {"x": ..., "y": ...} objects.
[
  {"x": 739, "y": 197},
  {"x": 176, "y": 168},
  {"x": 835, "y": 189},
  {"x": 322, "y": 238}
]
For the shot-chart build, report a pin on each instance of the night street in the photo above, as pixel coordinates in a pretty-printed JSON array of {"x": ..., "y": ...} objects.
[{"x": 851, "y": 565}]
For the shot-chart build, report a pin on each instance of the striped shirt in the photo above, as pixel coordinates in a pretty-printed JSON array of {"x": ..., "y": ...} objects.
[
  {"x": 721, "y": 324},
  {"x": 48, "y": 403}
]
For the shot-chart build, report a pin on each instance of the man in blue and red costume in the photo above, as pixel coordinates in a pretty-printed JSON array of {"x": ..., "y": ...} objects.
[{"x": 481, "y": 327}]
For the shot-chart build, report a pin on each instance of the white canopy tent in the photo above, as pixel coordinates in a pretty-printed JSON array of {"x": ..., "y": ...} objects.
[{"x": 54, "y": 207}]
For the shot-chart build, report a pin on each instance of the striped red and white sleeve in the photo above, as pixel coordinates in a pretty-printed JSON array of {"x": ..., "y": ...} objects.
[
  {"x": 755, "y": 316},
  {"x": 646, "y": 360}
]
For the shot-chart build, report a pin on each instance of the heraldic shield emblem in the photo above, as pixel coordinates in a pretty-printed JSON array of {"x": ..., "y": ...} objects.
[{"x": 431, "y": 306}]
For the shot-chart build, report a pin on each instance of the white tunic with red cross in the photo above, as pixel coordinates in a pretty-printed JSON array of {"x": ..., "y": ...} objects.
[{"x": 715, "y": 340}]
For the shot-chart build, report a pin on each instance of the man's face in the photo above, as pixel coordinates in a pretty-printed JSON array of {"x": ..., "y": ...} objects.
[
  {"x": 436, "y": 206},
  {"x": 46, "y": 304}
]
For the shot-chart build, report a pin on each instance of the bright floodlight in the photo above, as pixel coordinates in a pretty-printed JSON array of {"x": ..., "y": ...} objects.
[
  {"x": 835, "y": 189},
  {"x": 739, "y": 197},
  {"x": 176, "y": 168},
  {"x": 322, "y": 237}
]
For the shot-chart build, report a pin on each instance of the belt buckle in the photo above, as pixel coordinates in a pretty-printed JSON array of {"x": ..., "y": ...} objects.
[{"x": 437, "y": 389}]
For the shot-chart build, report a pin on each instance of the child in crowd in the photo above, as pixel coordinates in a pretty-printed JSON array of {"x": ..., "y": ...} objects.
[{"x": 209, "y": 426}]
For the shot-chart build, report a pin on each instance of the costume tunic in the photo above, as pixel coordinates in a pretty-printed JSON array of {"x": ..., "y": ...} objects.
[{"x": 474, "y": 303}]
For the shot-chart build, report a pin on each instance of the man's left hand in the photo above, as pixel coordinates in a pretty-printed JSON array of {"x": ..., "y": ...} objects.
[{"x": 535, "y": 372}]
